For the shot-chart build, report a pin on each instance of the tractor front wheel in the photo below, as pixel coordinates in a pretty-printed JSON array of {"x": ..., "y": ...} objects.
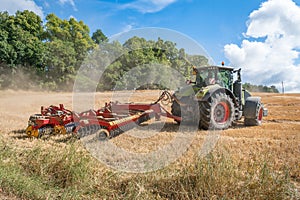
[{"x": 253, "y": 111}]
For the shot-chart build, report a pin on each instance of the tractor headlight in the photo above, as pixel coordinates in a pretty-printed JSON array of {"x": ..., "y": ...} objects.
[
  {"x": 199, "y": 94},
  {"x": 265, "y": 112}
]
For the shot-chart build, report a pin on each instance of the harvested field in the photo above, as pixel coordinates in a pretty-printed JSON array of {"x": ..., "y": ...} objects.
[{"x": 263, "y": 160}]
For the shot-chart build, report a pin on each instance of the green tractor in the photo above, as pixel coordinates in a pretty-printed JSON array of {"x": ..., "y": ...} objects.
[{"x": 216, "y": 99}]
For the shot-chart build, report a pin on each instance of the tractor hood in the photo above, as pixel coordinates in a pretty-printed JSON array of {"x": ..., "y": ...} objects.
[
  {"x": 195, "y": 90},
  {"x": 186, "y": 91}
]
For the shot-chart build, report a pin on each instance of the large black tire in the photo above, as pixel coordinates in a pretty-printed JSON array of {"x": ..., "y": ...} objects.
[
  {"x": 253, "y": 111},
  {"x": 218, "y": 113}
]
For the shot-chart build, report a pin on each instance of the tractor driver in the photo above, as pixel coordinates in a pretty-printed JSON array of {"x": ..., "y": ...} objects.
[{"x": 199, "y": 80}]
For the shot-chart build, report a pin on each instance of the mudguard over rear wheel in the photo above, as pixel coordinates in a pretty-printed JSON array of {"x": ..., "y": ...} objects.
[
  {"x": 175, "y": 110},
  {"x": 218, "y": 113},
  {"x": 188, "y": 109}
]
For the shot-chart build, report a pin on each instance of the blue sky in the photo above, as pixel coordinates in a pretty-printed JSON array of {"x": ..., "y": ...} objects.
[{"x": 228, "y": 30}]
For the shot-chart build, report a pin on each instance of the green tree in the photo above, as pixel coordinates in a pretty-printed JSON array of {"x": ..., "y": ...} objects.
[
  {"x": 143, "y": 59},
  {"x": 98, "y": 37},
  {"x": 20, "y": 39},
  {"x": 68, "y": 43},
  {"x": 260, "y": 88},
  {"x": 60, "y": 65},
  {"x": 22, "y": 50},
  {"x": 82, "y": 42},
  {"x": 56, "y": 29}
]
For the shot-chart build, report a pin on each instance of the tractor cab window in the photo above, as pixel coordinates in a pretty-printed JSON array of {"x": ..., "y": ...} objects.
[
  {"x": 213, "y": 75},
  {"x": 225, "y": 78},
  {"x": 207, "y": 76},
  {"x": 211, "y": 78}
]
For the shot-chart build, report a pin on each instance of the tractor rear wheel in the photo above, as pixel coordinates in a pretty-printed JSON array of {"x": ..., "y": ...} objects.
[{"x": 218, "y": 113}]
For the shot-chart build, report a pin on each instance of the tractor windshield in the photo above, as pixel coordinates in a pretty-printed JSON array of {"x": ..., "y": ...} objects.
[{"x": 214, "y": 75}]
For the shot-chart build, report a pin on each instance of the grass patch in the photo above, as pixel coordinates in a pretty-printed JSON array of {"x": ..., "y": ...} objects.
[
  {"x": 67, "y": 171},
  {"x": 46, "y": 172},
  {"x": 217, "y": 176},
  {"x": 14, "y": 180}
]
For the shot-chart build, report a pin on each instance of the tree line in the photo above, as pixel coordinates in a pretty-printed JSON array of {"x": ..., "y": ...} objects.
[
  {"x": 48, "y": 55},
  {"x": 42, "y": 55},
  {"x": 260, "y": 88}
]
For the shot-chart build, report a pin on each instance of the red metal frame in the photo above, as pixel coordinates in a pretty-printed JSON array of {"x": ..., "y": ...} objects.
[
  {"x": 51, "y": 119},
  {"x": 112, "y": 117}
]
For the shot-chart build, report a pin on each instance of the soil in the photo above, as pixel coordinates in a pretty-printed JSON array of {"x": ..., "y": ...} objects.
[{"x": 277, "y": 139}]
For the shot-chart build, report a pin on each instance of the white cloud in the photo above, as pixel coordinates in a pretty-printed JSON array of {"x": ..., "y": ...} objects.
[
  {"x": 12, "y": 6},
  {"x": 148, "y": 6},
  {"x": 46, "y": 4},
  {"x": 127, "y": 28},
  {"x": 71, "y": 2},
  {"x": 270, "y": 52},
  {"x": 71, "y": 16}
]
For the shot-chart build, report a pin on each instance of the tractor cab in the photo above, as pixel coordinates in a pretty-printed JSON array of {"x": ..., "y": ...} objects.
[
  {"x": 205, "y": 78},
  {"x": 212, "y": 75}
]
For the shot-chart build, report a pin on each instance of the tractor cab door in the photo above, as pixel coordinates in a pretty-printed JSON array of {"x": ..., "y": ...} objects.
[{"x": 225, "y": 78}]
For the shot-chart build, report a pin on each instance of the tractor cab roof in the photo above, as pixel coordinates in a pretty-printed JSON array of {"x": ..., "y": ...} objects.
[{"x": 215, "y": 67}]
